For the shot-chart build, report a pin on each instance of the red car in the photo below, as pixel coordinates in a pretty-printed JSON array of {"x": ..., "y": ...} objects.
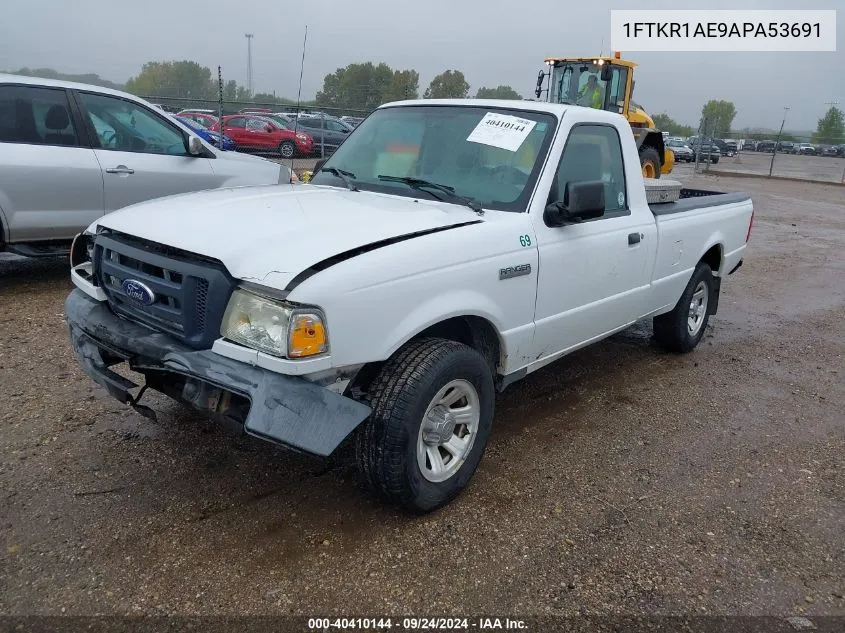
[
  {"x": 257, "y": 133},
  {"x": 205, "y": 119}
]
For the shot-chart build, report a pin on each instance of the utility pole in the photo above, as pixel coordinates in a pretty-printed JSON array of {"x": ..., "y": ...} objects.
[
  {"x": 220, "y": 102},
  {"x": 777, "y": 142},
  {"x": 248, "y": 37}
]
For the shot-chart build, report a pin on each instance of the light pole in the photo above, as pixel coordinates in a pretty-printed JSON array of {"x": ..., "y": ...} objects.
[
  {"x": 777, "y": 142},
  {"x": 248, "y": 37}
]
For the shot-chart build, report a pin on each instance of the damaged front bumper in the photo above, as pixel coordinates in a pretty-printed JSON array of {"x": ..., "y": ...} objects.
[{"x": 285, "y": 409}]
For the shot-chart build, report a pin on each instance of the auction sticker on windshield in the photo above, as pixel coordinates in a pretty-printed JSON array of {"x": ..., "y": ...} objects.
[{"x": 501, "y": 130}]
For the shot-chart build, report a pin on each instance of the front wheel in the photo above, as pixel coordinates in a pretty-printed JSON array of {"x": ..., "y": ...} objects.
[
  {"x": 681, "y": 329},
  {"x": 432, "y": 414},
  {"x": 287, "y": 149},
  {"x": 650, "y": 162}
]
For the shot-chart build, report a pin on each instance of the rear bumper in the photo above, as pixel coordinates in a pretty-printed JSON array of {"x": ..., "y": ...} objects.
[{"x": 284, "y": 409}]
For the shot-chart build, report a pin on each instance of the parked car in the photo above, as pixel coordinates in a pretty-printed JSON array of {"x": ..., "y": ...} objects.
[
  {"x": 215, "y": 138},
  {"x": 328, "y": 132},
  {"x": 720, "y": 145},
  {"x": 732, "y": 148},
  {"x": 807, "y": 148},
  {"x": 787, "y": 147},
  {"x": 283, "y": 120},
  {"x": 163, "y": 108},
  {"x": 765, "y": 146},
  {"x": 260, "y": 134},
  {"x": 833, "y": 151},
  {"x": 70, "y": 153},
  {"x": 681, "y": 151},
  {"x": 705, "y": 151},
  {"x": 205, "y": 118},
  {"x": 389, "y": 308},
  {"x": 352, "y": 121},
  {"x": 279, "y": 117}
]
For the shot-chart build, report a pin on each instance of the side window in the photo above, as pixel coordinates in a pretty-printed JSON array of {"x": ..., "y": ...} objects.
[
  {"x": 618, "y": 83},
  {"x": 335, "y": 126},
  {"x": 37, "y": 116},
  {"x": 256, "y": 125},
  {"x": 594, "y": 152},
  {"x": 238, "y": 122},
  {"x": 126, "y": 126}
]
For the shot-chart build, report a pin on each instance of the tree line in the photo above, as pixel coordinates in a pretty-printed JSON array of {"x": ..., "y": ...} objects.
[
  {"x": 717, "y": 118},
  {"x": 365, "y": 85},
  {"x": 358, "y": 86}
]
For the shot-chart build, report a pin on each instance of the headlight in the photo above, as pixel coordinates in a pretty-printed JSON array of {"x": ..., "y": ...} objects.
[
  {"x": 82, "y": 249},
  {"x": 301, "y": 136},
  {"x": 275, "y": 327}
]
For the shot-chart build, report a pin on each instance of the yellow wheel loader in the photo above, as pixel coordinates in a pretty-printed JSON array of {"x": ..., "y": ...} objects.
[{"x": 607, "y": 83}]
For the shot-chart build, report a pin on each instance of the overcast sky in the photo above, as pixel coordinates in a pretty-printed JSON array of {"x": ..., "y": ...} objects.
[{"x": 492, "y": 41}]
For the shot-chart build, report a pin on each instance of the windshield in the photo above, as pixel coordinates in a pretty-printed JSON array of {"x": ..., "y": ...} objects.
[
  {"x": 580, "y": 83},
  {"x": 491, "y": 155}
]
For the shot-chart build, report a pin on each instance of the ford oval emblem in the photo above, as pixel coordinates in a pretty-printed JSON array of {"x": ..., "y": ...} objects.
[{"x": 138, "y": 291}]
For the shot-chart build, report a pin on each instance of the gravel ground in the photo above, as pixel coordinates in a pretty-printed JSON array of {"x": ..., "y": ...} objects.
[{"x": 620, "y": 480}]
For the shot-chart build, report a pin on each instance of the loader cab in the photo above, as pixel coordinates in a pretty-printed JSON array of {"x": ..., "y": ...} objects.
[
  {"x": 599, "y": 82},
  {"x": 607, "y": 83}
]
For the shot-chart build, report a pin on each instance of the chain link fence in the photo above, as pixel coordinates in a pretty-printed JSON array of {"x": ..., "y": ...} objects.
[{"x": 282, "y": 130}]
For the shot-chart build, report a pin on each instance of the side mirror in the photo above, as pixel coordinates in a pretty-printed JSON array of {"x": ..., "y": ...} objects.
[
  {"x": 540, "y": 77},
  {"x": 606, "y": 72},
  {"x": 194, "y": 145},
  {"x": 581, "y": 201}
]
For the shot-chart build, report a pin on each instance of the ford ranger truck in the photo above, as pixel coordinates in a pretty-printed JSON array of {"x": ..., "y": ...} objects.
[{"x": 447, "y": 249}]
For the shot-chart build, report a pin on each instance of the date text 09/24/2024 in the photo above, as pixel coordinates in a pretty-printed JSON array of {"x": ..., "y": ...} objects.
[
  {"x": 416, "y": 624},
  {"x": 722, "y": 29}
]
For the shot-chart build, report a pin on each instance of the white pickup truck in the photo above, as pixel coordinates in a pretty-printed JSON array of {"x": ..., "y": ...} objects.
[{"x": 447, "y": 249}]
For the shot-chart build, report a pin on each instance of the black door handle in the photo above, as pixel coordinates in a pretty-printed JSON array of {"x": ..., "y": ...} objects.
[{"x": 633, "y": 238}]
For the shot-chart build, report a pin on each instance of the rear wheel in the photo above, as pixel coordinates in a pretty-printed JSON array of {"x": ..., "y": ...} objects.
[
  {"x": 432, "y": 414},
  {"x": 681, "y": 329},
  {"x": 287, "y": 149},
  {"x": 650, "y": 162}
]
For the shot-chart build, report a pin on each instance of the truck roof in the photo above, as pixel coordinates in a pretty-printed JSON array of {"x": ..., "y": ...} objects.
[{"x": 512, "y": 104}]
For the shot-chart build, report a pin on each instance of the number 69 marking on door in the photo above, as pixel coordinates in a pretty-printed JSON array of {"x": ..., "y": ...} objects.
[{"x": 525, "y": 240}]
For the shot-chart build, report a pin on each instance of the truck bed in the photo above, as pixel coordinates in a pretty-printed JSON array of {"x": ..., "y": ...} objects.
[
  {"x": 701, "y": 224},
  {"x": 692, "y": 199}
]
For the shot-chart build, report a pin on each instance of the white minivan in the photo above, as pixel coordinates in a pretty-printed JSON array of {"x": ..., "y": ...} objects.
[{"x": 70, "y": 153}]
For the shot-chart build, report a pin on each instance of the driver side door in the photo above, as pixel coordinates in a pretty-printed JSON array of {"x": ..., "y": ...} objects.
[{"x": 142, "y": 155}]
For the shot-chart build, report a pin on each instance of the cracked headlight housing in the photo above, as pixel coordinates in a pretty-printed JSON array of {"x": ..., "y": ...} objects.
[{"x": 275, "y": 327}]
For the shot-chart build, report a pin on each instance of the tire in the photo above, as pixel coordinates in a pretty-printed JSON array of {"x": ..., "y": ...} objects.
[
  {"x": 649, "y": 160},
  {"x": 679, "y": 331},
  {"x": 715, "y": 161},
  {"x": 395, "y": 446},
  {"x": 287, "y": 149}
]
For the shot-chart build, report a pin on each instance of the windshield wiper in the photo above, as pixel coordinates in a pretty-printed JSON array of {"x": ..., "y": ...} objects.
[
  {"x": 345, "y": 176},
  {"x": 423, "y": 185}
]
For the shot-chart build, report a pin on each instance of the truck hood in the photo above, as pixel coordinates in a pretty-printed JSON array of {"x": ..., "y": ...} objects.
[{"x": 270, "y": 234}]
